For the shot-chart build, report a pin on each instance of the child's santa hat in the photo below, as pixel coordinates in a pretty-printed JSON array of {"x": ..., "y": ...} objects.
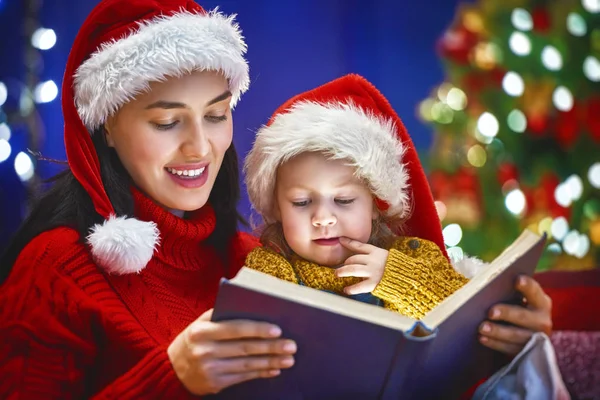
[
  {"x": 349, "y": 119},
  {"x": 121, "y": 48}
]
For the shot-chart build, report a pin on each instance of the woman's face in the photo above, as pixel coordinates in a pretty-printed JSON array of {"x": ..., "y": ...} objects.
[{"x": 173, "y": 138}]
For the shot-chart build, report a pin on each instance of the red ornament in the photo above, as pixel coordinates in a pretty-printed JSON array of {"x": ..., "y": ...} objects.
[
  {"x": 456, "y": 44},
  {"x": 541, "y": 198},
  {"x": 497, "y": 76},
  {"x": 548, "y": 185},
  {"x": 537, "y": 124},
  {"x": 506, "y": 172},
  {"x": 541, "y": 20},
  {"x": 566, "y": 128},
  {"x": 475, "y": 82},
  {"x": 591, "y": 119}
]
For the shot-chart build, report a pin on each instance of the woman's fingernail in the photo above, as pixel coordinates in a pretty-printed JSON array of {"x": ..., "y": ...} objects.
[
  {"x": 486, "y": 328},
  {"x": 522, "y": 281},
  {"x": 274, "y": 372},
  {"x": 274, "y": 331},
  {"x": 290, "y": 347},
  {"x": 495, "y": 313},
  {"x": 287, "y": 362},
  {"x": 483, "y": 339}
]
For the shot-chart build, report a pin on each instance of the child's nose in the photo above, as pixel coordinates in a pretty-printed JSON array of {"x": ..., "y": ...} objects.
[{"x": 324, "y": 219}]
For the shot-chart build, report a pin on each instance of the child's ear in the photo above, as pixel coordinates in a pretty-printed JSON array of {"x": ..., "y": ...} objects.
[{"x": 376, "y": 212}]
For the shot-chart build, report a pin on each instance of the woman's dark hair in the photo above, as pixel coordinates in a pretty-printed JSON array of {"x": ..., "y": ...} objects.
[{"x": 66, "y": 203}]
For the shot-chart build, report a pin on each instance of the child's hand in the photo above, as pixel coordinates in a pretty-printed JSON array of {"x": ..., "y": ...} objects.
[
  {"x": 534, "y": 317},
  {"x": 368, "y": 262}
]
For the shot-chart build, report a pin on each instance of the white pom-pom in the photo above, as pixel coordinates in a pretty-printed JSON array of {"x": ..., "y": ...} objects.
[
  {"x": 467, "y": 266},
  {"x": 123, "y": 245}
]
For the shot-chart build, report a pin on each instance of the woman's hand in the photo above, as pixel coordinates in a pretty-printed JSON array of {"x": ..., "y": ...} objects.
[
  {"x": 368, "y": 262},
  {"x": 210, "y": 356},
  {"x": 535, "y": 316}
]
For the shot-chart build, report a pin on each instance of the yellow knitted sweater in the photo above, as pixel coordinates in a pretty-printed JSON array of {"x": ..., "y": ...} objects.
[{"x": 417, "y": 276}]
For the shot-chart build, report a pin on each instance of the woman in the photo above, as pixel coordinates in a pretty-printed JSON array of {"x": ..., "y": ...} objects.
[{"x": 104, "y": 283}]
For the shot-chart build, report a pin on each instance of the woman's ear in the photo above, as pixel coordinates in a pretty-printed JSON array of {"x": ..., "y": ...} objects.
[
  {"x": 108, "y": 128},
  {"x": 276, "y": 210}
]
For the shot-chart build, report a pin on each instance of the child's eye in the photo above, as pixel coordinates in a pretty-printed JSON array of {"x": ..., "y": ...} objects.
[
  {"x": 302, "y": 203},
  {"x": 216, "y": 118},
  {"x": 165, "y": 127},
  {"x": 344, "y": 202}
]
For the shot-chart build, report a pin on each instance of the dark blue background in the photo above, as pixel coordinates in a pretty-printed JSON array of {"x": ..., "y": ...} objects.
[{"x": 294, "y": 45}]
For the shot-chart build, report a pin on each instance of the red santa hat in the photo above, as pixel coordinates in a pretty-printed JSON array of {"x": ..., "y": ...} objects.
[
  {"x": 349, "y": 119},
  {"x": 121, "y": 48}
]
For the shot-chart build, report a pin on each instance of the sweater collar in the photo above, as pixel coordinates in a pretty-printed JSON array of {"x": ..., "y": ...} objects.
[{"x": 180, "y": 238}]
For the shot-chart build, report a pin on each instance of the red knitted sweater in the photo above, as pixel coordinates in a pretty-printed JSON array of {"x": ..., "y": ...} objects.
[{"x": 69, "y": 331}]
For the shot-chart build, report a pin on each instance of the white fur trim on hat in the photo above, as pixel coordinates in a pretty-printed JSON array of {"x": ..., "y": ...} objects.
[
  {"x": 341, "y": 131},
  {"x": 467, "y": 266},
  {"x": 162, "y": 47},
  {"x": 123, "y": 245}
]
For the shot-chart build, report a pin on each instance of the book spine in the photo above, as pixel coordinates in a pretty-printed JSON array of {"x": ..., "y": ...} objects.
[{"x": 412, "y": 352}]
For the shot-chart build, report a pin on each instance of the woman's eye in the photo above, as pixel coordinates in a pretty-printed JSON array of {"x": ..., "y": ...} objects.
[
  {"x": 165, "y": 127},
  {"x": 216, "y": 118},
  {"x": 302, "y": 203},
  {"x": 344, "y": 201}
]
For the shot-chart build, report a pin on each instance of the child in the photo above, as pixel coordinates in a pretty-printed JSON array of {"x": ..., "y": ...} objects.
[{"x": 345, "y": 202}]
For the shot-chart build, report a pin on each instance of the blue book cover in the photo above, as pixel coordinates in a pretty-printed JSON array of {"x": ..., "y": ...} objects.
[{"x": 348, "y": 349}]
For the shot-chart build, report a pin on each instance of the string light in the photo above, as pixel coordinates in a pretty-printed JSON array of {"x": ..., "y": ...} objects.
[
  {"x": 4, "y": 131},
  {"x": 452, "y": 234},
  {"x": 23, "y": 166},
  {"x": 562, "y": 99},
  {"x": 591, "y": 68},
  {"x": 576, "y": 24},
  {"x": 43, "y": 39},
  {"x": 425, "y": 109},
  {"x": 443, "y": 91},
  {"x": 45, "y": 92},
  {"x": 3, "y": 93},
  {"x": 562, "y": 195},
  {"x": 517, "y": 121},
  {"x": 551, "y": 58},
  {"x": 555, "y": 248},
  {"x": 575, "y": 185},
  {"x": 521, "y": 19},
  {"x": 477, "y": 156},
  {"x": 513, "y": 84},
  {"x": 520, "y": 44},
  {"x": 592, "y": 6},
  {"x": 455, "y": 253},
  {"x": 488, "y": 125},
  {"x": 559, "y": 228},
  {"x": 576, "y": 244},
  {"x": 545, "y": 226},
  {"x": 456, "y": 99},
  {"x": 5, "y": 150},
  {"x": 441, "y": 209},
  {"x": 594, "y": 175},
  {"x": 515, "y": 202}
]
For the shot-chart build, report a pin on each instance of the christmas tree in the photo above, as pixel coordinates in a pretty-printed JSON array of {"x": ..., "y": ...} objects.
[{"x": 517, "y": 129}]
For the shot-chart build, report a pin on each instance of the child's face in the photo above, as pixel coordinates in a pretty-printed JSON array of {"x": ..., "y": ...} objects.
[{"x": 319, "y": 201}]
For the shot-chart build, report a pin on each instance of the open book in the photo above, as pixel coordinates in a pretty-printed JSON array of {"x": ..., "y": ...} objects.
[{"x": 348, "y": 349}]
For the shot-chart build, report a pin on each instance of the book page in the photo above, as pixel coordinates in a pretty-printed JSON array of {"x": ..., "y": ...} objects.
[
  {"x": 264, "y": 283},
  {"x": 524, "y": 242}
]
